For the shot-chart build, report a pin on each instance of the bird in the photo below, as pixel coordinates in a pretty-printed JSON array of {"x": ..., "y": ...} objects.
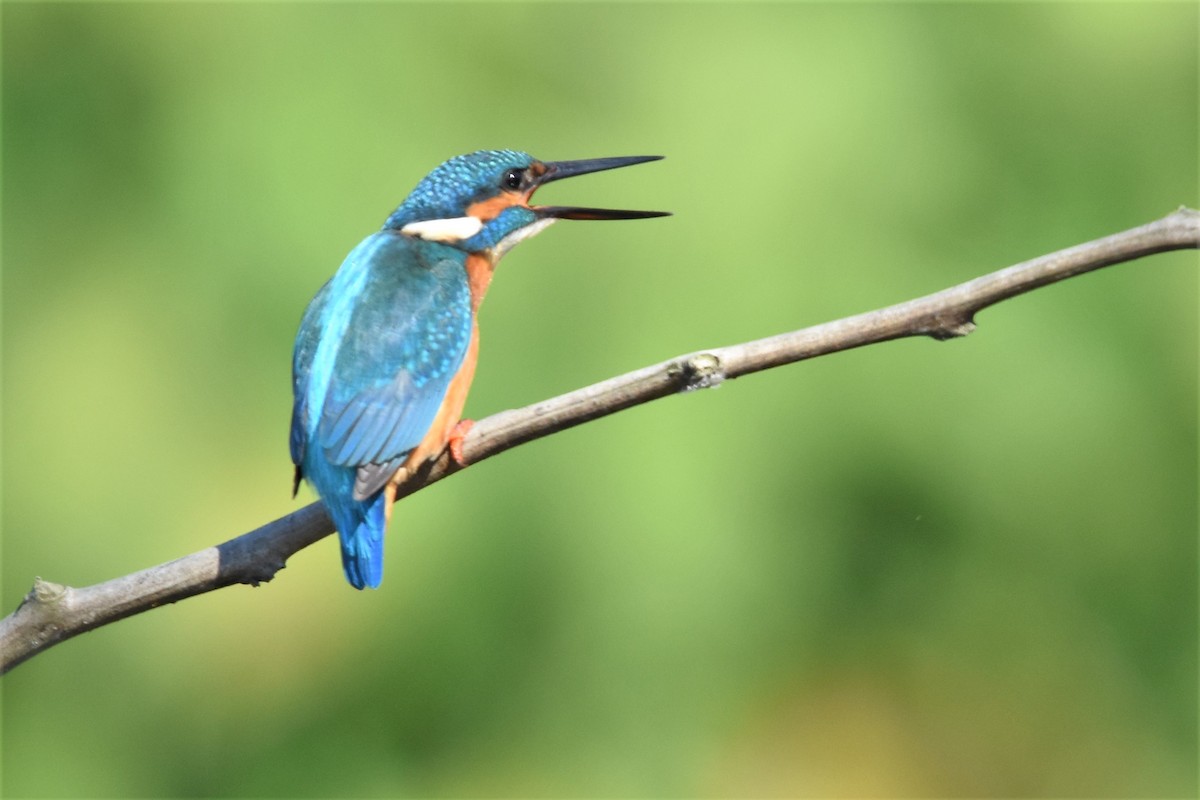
[{"x": 386, "y": 349}]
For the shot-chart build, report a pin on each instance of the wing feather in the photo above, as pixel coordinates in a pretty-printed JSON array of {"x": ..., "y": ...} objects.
[
  {"x": 407, "y": 333},
  {"x": 307, "y": 340}
]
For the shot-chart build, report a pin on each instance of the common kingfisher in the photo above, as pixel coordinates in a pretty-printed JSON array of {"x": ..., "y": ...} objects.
[{"x": 387, "y": 348}]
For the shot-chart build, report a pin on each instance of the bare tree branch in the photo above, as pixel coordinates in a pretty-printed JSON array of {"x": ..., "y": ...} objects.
[{"x": 52, "y": 613}]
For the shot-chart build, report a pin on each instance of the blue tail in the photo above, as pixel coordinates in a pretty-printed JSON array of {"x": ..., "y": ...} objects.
[
  {"x": 360, "y": 523},
  {"x": 361, "y": 535}
]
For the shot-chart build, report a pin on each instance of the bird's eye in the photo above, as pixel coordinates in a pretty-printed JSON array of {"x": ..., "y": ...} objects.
[{"x": 513, "y": 178}]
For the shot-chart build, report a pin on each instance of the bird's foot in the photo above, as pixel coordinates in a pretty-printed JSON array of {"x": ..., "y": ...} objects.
[{"x": 457, "y": 434}]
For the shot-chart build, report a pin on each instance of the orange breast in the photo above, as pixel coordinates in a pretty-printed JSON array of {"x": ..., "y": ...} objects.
[{"x": 479, "y": 276}]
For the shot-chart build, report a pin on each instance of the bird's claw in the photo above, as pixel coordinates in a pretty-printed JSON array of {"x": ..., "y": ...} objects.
[{"x": 457, "y": 434}]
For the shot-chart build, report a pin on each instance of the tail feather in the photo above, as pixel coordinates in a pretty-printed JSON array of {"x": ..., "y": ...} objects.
[
  {"x": 360, "y": 523},
  {"x": 362, "y": 543}
]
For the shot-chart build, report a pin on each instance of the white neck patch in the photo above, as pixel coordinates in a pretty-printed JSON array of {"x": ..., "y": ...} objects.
[
  {"x": 454, "y": 229},
  {"x": 521, "y": 234}
]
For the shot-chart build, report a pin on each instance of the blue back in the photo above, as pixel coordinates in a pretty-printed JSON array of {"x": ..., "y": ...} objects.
[{"x": 375, "y": 354}]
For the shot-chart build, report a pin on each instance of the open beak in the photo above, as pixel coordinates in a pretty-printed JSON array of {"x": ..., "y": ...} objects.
[{"x": 557, "y": 170}]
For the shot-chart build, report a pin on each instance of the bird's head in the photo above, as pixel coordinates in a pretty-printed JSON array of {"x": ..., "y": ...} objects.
[{"x": 480, "y": 202}]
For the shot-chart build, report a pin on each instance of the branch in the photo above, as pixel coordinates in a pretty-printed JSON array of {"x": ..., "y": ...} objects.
[{"x": 52, "y": 613}]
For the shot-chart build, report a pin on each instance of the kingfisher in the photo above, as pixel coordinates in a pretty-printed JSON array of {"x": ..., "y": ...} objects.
[{"x": 387, "y": 348}]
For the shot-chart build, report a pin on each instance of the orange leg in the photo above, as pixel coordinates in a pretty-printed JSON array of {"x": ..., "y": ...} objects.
[{"x": 455, "y": 440}]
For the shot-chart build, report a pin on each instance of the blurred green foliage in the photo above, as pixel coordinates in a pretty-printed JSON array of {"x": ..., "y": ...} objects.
[{"x": 914, "y": 569}]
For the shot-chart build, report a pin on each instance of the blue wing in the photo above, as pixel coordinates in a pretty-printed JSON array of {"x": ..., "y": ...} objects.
[
  {"x": 377, "y": 349},
  {"x": 307, "y": 339}
]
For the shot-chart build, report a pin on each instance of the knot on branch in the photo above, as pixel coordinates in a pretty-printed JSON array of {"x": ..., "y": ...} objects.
[
  {"x": 699, "y": 371},
  {"x": 944, "y": 327},
  {"x": 248, "y": 562},
  {"x": 47, "y": 592},
  {"x": 258, "y": 574}
]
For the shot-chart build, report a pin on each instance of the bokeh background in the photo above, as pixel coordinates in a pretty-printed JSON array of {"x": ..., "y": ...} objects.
[{"x": 915, "y": 569}]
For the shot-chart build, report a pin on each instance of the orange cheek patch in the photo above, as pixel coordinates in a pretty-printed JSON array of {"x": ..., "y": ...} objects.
[{"x": 489, "y": 209}]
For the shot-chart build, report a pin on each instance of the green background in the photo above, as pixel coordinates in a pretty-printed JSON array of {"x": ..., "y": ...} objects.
[{"x": 925, "y": 569}]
